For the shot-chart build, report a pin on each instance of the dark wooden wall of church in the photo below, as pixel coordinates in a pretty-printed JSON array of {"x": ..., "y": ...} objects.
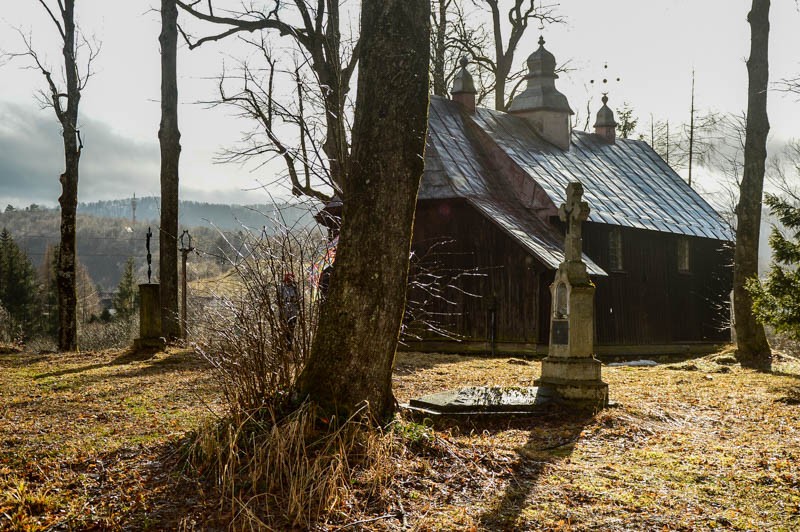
[
  {"x": 501, "y": 275},
  {"x": 650, "y": 301}
]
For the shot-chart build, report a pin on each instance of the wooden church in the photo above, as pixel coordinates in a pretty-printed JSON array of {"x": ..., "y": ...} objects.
[{"x": 487, "y": 218}]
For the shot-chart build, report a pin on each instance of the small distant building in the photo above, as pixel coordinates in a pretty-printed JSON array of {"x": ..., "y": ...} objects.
[{"x": 658, "y": 253}]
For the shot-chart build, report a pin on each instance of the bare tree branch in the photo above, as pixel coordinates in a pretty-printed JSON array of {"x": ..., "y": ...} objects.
[{"x": 54, "y": 19}]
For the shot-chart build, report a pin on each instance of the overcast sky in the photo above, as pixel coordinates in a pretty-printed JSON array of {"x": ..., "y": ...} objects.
[{"x": 652, "y": 46}]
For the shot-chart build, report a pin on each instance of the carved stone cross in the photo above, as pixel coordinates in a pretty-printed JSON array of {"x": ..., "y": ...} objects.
[{"x": 574, "y": 212}]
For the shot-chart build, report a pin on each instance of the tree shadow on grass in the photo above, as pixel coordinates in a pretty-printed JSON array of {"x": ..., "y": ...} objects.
[
  {"x": 554, "y": 441},
  {"x": 151, "y": 490},
  {"x": 172, "y": 361}
]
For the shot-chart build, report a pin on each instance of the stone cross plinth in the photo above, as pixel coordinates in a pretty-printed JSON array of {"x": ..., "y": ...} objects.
[
  {"x": 570, "y": 369},
  {"x": 150, "y": 336}
]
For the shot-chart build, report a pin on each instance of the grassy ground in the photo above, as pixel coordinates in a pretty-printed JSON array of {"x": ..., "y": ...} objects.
[{"x": 88, "y": 441}]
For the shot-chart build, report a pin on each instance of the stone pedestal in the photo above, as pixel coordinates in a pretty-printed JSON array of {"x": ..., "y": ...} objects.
[
  {"x": 570, "y": 370},
  {"x": 150, "y": 336}
]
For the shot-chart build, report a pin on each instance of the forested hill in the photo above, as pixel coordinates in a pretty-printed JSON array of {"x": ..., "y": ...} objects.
[
  {"x": 104, "y": 244},
  {"x": 197, "y": 214}
]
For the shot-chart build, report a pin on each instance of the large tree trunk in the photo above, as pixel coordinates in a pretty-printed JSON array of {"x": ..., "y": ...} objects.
[
  {"x": 169, "y": 137},
  {"x": 352, "y": 356},
  {"x": 65, "y": 271},
  {"x": 752, "y": 347}
]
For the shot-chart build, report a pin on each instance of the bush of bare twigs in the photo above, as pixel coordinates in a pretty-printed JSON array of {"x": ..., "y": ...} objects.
[
  {"x": 275, "y": 467},
  {"x": 114, "y": 334},
  {"x": 239, "y": 326}
]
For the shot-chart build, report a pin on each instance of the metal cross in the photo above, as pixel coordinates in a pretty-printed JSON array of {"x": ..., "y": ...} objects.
[
  {"x": 149, "y": 256},
  {"x": 573, "y": 212}
]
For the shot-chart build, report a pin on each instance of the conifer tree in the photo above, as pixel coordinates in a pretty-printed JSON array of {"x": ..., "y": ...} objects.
[
  {"x": 777, "y": 300},
  {"x": 17, "y": 283},
  {"x": 125, "y": 301}
]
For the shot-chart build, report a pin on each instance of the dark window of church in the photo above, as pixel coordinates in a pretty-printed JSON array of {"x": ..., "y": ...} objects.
[
  {"x": 615, "y": 249},
  {"x": 683, "y": 254}
]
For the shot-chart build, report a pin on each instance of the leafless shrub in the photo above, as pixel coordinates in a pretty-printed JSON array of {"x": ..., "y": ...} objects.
[
  {"x": 239, "y": 326},
  {"x": 435, "y": 291},
  {"x": 115, "y": 334}
]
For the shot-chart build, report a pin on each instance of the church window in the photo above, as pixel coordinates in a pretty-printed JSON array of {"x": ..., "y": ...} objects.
[
  {"x": 615, "y": 249},
  {"x": 683, "y": 254}
]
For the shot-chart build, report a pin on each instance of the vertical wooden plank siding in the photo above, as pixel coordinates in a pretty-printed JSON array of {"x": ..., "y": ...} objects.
[{"x": 648, "y": 301}]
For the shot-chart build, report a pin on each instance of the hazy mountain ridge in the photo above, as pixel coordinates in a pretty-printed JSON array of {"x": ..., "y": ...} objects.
[{"x": 199, "y": 214}]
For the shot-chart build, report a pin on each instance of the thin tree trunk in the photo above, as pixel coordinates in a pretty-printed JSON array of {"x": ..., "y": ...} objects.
[
  {"x": 328, "y": 66},
  {"x": 503, "y": 64},
  {"x": 351, "y": 359},
  {"x": 752, "y": 347},
  {"x": 65, "y": 272},
  {"x": 169, "y": 137},
  {"x": 691, "y": 133},
  {"x": 439, "y": 84}
]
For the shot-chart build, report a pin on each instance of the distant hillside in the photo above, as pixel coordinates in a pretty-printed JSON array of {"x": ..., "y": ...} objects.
[
  {"x": 196, "y": 214},
  {"x": 104, "y": 244}
]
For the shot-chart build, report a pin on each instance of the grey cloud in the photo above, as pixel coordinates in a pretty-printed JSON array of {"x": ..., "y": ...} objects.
[{"x": 31, "y": 159}]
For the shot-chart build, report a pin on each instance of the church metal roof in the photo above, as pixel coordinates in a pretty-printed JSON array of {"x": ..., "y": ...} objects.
[
  {"x": 625, "y": 183},
  {"x": 456, "y": 168}
]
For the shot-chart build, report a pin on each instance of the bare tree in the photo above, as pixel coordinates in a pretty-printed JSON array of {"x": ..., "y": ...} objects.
[
  {"x": 169, "y": 137},
  {"x": 752, "y": 347},
  {"x": 65, "y": 102},
  {"x": 519, "y": 15},
  {"x": 318, "y": 39},
  {"x": 254, "y": 96},
  {"x": 352, "y": 355},
  {"x": 458, "y": 32}
]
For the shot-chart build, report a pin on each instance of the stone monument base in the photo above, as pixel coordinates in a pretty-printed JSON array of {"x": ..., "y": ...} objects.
[
  {"x": 149, "y": 318},
  {"x": 142, "y": 344},
  {"x": 574, "y": 379}
]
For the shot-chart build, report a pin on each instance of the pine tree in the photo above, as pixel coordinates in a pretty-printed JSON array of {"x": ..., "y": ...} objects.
[
  {"x": 777, "y": 300},
  {"x": 48, "y": 296},
  {"x": 125, "y": 300},
  {"x": 17, "y": 284}
]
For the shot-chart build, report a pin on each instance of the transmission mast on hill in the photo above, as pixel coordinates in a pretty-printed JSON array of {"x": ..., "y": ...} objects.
[{"x": 133, "y": 209}]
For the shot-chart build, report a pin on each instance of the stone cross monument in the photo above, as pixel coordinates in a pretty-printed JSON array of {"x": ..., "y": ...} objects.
[{"x": 570, "y": 370}]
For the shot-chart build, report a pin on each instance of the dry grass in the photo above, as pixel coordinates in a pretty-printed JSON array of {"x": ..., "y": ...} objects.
[
  {"x": 84, "y": 438},
  {"x": 692, "y": 446},
  {"x": 297, "y": 472}
]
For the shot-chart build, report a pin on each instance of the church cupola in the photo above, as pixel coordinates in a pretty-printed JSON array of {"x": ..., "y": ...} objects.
[
  {"x": 540, "y": 103},
  {"x": 605, "y": 125},
  {"x": 464, "y": 87}
]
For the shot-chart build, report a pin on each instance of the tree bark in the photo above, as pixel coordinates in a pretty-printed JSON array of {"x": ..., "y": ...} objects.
[
  {"x": 353, "y": 353},
  {"x": 502, "y": 61},
  {"x": 169, "y": 137},
  {"x": 752, "y": 347},
  {"x": 440, "y": 49},
  {"x": 65, "y": 271}
]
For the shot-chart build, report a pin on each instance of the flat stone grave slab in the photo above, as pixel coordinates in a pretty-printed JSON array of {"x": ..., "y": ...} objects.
[{"x": 485, "y": 400}]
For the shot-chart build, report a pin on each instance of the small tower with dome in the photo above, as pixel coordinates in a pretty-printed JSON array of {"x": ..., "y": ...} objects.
[{"x": 540, "y": 103}]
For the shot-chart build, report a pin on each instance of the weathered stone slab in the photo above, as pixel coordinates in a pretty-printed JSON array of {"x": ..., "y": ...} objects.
[{"x": 485, "y": 400}]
